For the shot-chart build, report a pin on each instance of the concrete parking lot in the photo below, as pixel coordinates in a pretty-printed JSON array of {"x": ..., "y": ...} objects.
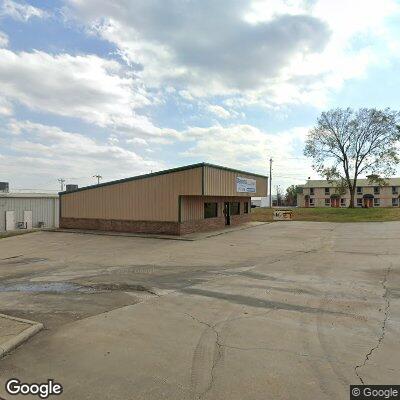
[{"x": 292, "y": 310}]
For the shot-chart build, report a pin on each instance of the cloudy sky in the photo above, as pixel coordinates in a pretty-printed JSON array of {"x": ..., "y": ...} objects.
[{"x": 126, "y": 87}]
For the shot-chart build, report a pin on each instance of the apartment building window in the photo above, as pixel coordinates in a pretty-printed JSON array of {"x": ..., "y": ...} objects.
[
  {"x": 311, "y": 191},
  {"x": 235, "y": 208},
  {"x": 377, "y": 190},
  {"x": 210, "y": 210},
  {"x": 327, "y": 191},
  {"x": 312, "y": 202},
  {"x": 395, "y": 190},
  {"x": 377, "y": 202},
  {"x": 359, "y": 202},
  {"x": 359, "y": 190},
  {"x": 395, "y": 202},
  {"x": 327, "y": 202},
  {"x": 342, "y": 202}
]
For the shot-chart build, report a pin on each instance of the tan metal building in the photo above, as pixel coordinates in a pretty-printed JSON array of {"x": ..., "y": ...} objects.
[{"x": 177, "y": 201}]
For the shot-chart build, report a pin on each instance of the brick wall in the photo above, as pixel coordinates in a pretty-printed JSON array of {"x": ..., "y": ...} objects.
[
  {"x": 209, "y": 224},
  {"x": 202, "y": 225},
  {"x": 240, "y": 219},
  {"x": 161, "y": 227}
]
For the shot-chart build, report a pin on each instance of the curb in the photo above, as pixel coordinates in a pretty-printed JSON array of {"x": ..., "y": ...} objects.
[
  {"x": 121, "y": 234},
  {"x": 185, "y": 238},
  {"x": 22, "y": 337}
]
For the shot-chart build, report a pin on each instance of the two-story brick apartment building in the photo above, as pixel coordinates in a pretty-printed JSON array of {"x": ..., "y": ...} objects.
[{"x": 321, "y": 193}]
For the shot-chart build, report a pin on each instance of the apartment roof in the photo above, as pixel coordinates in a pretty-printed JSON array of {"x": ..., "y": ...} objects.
[
  {"x": 360, "y": 182},
  {"x": 167, "y": 171}
]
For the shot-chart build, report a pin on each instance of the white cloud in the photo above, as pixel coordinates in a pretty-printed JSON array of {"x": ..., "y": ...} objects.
[
  {"x": 219, "y": 111},
  {"x": 86, "y": 87},
  {"x": 262, "y": 51},
  {"x": 3, "y": 39},
  {"x": 20, "y": 10},
  {"x": 39, "y": 154},
  {"x": 359, "y": 39},
  {"x": 139, "y": 141},
  {"x": 247, "y": 147},
  {"x": 204, "y": 47},
  {"x": 5, "y": 107}
]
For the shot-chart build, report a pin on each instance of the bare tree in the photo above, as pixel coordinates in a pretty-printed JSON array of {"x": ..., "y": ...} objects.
[{"x": 346, "y": 144}]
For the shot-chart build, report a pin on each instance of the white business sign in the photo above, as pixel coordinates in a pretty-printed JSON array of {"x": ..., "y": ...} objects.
[{"x": 245, "y": 185}]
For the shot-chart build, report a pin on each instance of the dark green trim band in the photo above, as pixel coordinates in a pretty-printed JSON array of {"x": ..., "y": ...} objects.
[
  {"x": 167, "y": 171},
  {"x": 180, "y": 208},
  {"x": 202, "y": 180},
  {"x": 59, "y": 211}
]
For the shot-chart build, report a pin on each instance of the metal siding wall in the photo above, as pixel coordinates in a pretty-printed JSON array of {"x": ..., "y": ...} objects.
[
  {"x": 148, "y": 199},
  {"x": 219, "y": 182},
  {"x": 43, "y": 209}
]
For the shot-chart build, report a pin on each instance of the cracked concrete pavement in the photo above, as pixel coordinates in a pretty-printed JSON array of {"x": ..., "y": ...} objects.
[{"x": 292, "y": 310}]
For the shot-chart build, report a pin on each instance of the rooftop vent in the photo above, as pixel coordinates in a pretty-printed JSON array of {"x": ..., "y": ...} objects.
[
  {"x": 70, "y": 188},
  {"x": 4, "y": 187}
]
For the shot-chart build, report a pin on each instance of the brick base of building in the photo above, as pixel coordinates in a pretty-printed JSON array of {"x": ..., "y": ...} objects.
[
  {"x": 201, "y": 225},
  {"x": 240, "y": 219},
  {"x": 160, "y": 227},
  {"x": 209, "y": 224},
  {"x": 156, "y": 227}
]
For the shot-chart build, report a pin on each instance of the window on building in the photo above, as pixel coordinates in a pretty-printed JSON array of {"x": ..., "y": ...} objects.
[
  {"x": 327, "y": 191},
  {"x": 327, "y": 202},
  {"x": 395, "y": 190},
  {"x": 311, "y": 191},
  {"x": 395, "y": 202},
  {"x": 359, "y": 202},
  {"x": 377, "y": 202},
  {"x": 210, "y": 210},
  {"x": 359, "y": 190},
  {"x": 377, "y": 190},
  {"x": 235, "y": 208},
  {"x": 312, "y": 202},
  {"x": 342, "y": 202},
  {"x": 246, "y": 207}
]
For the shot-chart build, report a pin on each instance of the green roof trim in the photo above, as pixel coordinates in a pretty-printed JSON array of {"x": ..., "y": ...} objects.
[{"x": 164, "y": 172}]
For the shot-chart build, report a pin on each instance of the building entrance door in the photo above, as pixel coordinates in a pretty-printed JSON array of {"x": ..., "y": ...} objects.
[
  {"x": 334, "y": 202},
  {"x": 227, "y": 213},
  {"x": 10, "y": 221},
  {"x": 368, "y": 203}
]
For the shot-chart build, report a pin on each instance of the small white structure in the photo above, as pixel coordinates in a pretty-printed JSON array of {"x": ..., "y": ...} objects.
[
  {"x": 262, "y": 201},
  {"x": 28, "y": 210}
]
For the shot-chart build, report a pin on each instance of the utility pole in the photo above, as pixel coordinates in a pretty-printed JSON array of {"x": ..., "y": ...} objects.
[
  {"x": 61, "y": 180},
  {"x": 270, "y": 182},
  {"x": 98, "y": 177},
  {"x": 277, "y": 195}
]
